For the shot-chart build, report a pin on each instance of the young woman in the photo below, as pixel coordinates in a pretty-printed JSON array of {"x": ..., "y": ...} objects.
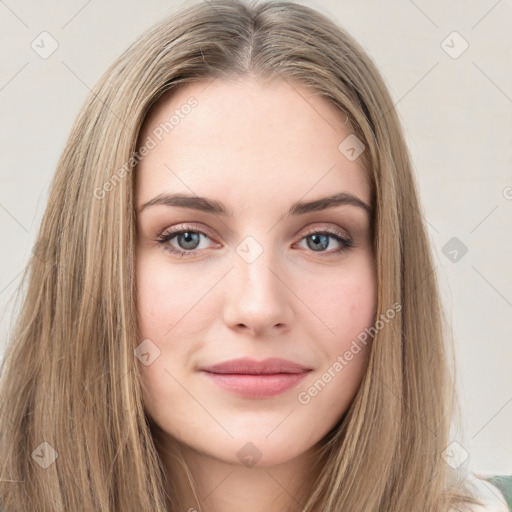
[{"x": 232, "y": 303}]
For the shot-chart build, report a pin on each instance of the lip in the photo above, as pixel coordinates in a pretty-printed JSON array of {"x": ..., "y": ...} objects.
[
  {"x": 249, "y": 366},
  {"x": 256, "y": 379}
]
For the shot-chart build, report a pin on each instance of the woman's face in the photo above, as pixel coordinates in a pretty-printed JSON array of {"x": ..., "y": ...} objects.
[{"x": 253, "y": 274}]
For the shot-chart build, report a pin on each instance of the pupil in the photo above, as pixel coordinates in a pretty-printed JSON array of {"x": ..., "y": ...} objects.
[
  {"x": 323, "y": 239},
  {"x": 192, "y": 238}
]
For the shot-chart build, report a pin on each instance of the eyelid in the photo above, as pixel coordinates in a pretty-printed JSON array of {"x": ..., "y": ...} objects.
[
  {"x": 207, "y": 232},
  {"x": 187, "y": 227},
  {"x": 328, "y": 229}
]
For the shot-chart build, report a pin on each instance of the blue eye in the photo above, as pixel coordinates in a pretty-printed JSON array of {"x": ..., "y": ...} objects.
[
  {"x": 188, "y": 240},
  {"x": 318, "y": 241}
]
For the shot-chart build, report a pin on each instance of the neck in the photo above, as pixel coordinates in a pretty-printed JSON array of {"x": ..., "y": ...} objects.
[{"x": 228, "y": 487}]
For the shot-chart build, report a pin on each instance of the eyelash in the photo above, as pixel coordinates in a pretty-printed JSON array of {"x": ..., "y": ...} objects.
[{"x": 165, "y": 237}]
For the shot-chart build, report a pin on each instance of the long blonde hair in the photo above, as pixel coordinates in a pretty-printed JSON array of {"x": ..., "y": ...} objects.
[{"x": 74, "y": 433}]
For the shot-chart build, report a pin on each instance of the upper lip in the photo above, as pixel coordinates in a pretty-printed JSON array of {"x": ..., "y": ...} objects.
[{"x": 246, "y": 365}]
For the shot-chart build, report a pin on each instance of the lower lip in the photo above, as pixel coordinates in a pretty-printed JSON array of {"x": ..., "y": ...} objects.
[{"x": 256, "y": 386}]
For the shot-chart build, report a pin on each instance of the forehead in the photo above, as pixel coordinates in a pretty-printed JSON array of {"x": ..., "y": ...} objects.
[{"x": 246, "y": 140}]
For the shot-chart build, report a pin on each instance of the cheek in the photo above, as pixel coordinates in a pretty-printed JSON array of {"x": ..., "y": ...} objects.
[
  {"x": 169, "y": 299},
  {"x": 163, "y": 319},
  {"x": 151, "y": 296},
  {"x": 345, "y": 303},
  {"x": 173, "y": 313}
]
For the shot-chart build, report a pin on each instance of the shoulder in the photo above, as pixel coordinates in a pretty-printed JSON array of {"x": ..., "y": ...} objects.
[{"x": 491, "y": 497}]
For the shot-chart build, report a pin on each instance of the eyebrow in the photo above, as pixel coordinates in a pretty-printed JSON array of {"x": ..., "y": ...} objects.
[{"x": 218, "y": 208}]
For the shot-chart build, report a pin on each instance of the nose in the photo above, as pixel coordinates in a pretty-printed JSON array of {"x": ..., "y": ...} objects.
[{"x": 257, "y": 297}]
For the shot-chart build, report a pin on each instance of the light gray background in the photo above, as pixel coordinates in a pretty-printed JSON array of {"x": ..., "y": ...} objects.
[{"x": 456, "y": 112}]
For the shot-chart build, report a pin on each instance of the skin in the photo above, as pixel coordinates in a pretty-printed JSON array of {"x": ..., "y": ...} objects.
[{"x": 257, "y": 148}]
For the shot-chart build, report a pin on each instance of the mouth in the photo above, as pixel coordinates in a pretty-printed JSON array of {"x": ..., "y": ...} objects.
[{"x": 256, "y": 379}]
